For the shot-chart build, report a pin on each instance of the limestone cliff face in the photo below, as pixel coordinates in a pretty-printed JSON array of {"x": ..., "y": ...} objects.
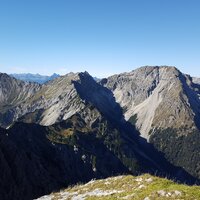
[
  {"x": 158, "y": 97},
  {"x": 55, "y": 101},
  {"x": 13, "y": 93}
]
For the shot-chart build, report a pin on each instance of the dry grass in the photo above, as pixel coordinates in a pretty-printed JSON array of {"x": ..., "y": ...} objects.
[{"x": 145, "y": 187}]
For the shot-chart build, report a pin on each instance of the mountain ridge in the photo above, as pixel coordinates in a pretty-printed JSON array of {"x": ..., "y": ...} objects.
[
  {"x": 137, "y": 120},
  {"x": 155, "y": 80}
]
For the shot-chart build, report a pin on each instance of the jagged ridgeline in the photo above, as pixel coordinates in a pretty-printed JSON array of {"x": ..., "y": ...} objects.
[{"x": 73, "y": 129}]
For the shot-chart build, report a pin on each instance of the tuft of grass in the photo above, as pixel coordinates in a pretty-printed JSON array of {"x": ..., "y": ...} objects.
[{"x": 131, "y": 187}]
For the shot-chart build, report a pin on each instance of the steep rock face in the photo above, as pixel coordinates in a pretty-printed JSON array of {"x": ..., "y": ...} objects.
[
  {"x": 57, "y": 100},
  {"x": 60, "y": 99},
  {"x": 164, "y": 105},
  {"x": 156, "y": 96},
  {"x": 13, "y": 93}
]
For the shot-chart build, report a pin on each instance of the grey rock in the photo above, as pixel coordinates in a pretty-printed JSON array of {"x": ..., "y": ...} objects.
[{"x": 159, "y": 97}]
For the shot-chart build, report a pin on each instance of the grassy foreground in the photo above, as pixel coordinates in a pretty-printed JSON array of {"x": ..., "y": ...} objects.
[{"x": 144, "y": 187}]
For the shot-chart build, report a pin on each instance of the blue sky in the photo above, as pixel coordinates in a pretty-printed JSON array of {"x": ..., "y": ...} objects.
[{"x": 102, "y": 37}]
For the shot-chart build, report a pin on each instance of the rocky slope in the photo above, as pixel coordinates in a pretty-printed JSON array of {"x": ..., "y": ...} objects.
[
  {"x": 145, "y": 187},
  {"x": 60, "y": 99},
  {"x": 158, "y": 97},
  {"x": 164, "y": 105},
  {"x": 13, "y": 93}
]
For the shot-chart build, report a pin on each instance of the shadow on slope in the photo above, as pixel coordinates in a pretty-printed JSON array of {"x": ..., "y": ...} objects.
[{"x": 33, "y": 165}]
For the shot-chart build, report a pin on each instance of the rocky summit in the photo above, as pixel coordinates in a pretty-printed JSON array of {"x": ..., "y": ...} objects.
[
  {"x": 164, "y": 105},
  {"x": 73, "y": 129},
  {"x": 157, "y": 98}
]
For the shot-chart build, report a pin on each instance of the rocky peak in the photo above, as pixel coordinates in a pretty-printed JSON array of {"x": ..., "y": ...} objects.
[
  {"x": 13, "y": 91},
  {"x": 154, "y": 96},
  {"x": 3, "y": 75},
  {"x": 99, "y": 96}
]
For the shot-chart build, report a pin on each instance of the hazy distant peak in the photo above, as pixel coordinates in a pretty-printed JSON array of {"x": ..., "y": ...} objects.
[{"x": 34, "y": 77}]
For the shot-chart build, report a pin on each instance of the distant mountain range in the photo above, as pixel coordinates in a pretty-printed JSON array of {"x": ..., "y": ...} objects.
[
  {"x": 73, "y": 129},
  {"x": 37, "y": 78}
]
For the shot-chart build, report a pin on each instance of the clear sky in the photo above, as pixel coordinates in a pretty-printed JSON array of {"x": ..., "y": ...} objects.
[{"x": 102, "y": 37}]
